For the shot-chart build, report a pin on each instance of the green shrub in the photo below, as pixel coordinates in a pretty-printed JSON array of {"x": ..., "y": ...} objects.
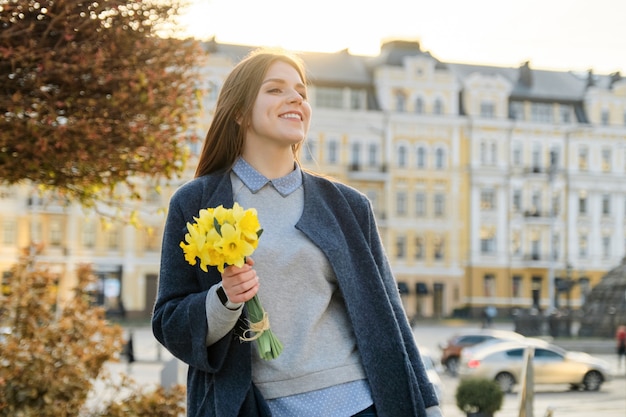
[{"x": 479, "y": 395}]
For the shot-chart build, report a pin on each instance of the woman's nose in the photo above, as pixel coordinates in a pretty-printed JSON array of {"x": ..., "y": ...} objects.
[{"x": 295, "y": 97}]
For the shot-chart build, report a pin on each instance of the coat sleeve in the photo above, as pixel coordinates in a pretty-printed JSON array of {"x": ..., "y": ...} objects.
[
  {"x": 179, "y": 320},
  {"x": 425, "y": 387}
]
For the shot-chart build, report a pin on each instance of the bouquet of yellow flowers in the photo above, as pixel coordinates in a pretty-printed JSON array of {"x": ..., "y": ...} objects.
[{"x": 221, "y": 237}]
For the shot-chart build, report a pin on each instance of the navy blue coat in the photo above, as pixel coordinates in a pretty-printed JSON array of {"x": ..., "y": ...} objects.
[{"x": 340, "y": 221}]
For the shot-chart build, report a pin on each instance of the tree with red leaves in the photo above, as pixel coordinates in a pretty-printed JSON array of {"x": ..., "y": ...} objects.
[{"x": 91, "y": 96}]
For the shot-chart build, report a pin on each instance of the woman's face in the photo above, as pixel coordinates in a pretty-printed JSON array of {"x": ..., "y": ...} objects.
[{"x": 280, "y": 115}]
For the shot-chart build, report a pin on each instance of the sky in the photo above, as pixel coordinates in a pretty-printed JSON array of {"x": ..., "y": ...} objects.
[{"x": 561, "y": 35}]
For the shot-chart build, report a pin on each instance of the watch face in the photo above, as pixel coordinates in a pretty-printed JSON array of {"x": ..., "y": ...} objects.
[{"x": 222, "y": 295}]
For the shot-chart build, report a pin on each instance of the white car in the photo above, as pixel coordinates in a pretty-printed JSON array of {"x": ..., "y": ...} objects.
[{"x": 503, "y": 362}]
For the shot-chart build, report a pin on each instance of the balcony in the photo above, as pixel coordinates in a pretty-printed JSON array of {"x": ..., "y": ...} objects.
[{"x": 361, "y": 172}]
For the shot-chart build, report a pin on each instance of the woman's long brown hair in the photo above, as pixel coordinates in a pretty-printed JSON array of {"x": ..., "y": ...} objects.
[{"x": 225, "y": 139}]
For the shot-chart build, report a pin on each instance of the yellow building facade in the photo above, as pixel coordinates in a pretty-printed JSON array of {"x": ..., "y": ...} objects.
[{"x": 491, "y": 186}]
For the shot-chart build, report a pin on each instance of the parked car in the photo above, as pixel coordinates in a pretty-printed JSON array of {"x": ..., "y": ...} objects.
[
  {"x": 469, "y": 351},
  {"x": 452, "y": 348},
  {"x": 431, "y": 371},
  {"x": 503, "y": 362}
]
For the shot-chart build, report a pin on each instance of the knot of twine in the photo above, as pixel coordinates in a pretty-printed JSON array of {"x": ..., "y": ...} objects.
[{"x": 256, "y": 329}]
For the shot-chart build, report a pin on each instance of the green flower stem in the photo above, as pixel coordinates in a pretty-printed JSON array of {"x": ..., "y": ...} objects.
[{"x": 268, "y": 345}]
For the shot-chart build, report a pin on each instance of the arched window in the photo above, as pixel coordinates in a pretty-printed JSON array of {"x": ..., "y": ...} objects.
[
  {"x": 438, "y": 107},
  {"x": 419, "y": 105},
  {"x": 400, "y": 101},
  {"x": 402, "y": 156},
  {"x": 421, "y": 157},
  {"x": 440, "y": 158}
]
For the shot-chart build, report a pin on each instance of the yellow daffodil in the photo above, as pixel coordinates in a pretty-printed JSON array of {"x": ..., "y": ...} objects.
[{"x": 220, "y": 237}]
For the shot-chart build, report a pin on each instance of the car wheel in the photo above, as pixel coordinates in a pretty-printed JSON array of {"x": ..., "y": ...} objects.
[
  {"x": 452, "y": 365},
  {"x": 593, "y": 381},
  {"x": 506, "y": 381}
]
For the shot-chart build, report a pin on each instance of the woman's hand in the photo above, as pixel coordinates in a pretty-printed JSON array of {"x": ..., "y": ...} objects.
[{"x": 240, "y": 284}]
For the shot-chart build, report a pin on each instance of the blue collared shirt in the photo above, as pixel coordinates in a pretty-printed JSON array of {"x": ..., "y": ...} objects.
[{"x": 254, "y": 180}]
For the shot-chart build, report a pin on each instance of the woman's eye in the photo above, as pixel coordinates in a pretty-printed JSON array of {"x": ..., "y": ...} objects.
[{"x": 274, "y": 90}]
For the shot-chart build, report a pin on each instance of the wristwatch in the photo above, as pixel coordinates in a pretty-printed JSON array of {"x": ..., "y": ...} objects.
[{"x": 224, "y": 299}]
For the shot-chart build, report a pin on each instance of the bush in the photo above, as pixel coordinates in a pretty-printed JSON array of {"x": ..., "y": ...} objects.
[
  {"x": 475, "y": 395},
  {"x": 57, "y": 348}
]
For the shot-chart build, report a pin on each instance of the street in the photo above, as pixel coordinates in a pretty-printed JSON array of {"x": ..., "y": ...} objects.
[{"x": 610, "y": 401}]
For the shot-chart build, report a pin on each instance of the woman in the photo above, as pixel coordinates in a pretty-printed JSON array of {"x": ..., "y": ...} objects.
[{"x": 319, "y": 270}]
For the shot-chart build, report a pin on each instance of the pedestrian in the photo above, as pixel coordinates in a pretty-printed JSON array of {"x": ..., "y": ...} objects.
[
  {"x": 319, "y": 270},
  {"x": 620, "y": 336}
]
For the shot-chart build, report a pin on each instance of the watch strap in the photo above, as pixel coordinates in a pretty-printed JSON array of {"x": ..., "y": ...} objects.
[{"x": 221, "y": 294}]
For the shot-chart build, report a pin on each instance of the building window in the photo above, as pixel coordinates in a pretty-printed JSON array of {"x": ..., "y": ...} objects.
[
  {"x": 487, "y": 240},
  {"x": 556, "y": 205},
  {"x": 35, "y": 232},
  {"x": 516, "y": 110},
  {"x": 355, "y": 155},
  {"x": 487, "y": 109},
  {"x": 357, "y": 99},
  {"x": 536, "y": 158},
  {"x": 487, "y": 199},
  {"x": 516, "y": 242},
  {"x": 333, "y": 154},
  {"x": 483, "y": 153},
  {"x": 555, "y": 246},
  {"x": 489, "y": 285},
  {"x": 604, "y": 117},
  {"x": 606, "y": 246},
  {"x": 56, "y": 233},
  {"x": 517, "y": 154},
  {"x": 582, "y": 203},
  {"x": 372, "y": 154},
  {"x": 440, "y": 158},
  {"x": 9, "y": 233},
  {"x": 419, "y": 105},
  {"x": 516, "y": 286},
  {"x": 113, "y": 238},
  {"x": 420, "y": 204},
  {"x": 419, "y": 247},
  {"x": 535, "y": 247},
  {"x": 541, "y": 112},
  {"x": 606, "y": 204},
  {"x": 517, "y": 200},
  {"x": 583, "y": 246},
  {"x": 438, "y": 248},
  {"x": 438, "y": 107},
  {"x": 400, "y": 101},
  {"x": 606, "y": 159},
  {"x": 402, "y": 156},
  {"x": 440, "y": 205},
  {"x": 583, "y": 158},
  {"x": 89, "y": 235},
  {"x": 566, "y": 114},
  {"x": 421, "y": 157},
  {"x": 400, "y": 247},
  {"x": 401, "y": 203},
  {"x": 535, "y": 201},
  {"x": 328, "y": 97}
]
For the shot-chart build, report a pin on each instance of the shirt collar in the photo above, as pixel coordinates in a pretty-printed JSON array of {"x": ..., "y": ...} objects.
[{"x": 254, "y": 180}]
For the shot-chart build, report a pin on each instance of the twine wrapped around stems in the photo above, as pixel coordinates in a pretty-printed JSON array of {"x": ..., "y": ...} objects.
[
  {"x": 268, "y": 345},
  {"x": 256, "y": 329}
]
